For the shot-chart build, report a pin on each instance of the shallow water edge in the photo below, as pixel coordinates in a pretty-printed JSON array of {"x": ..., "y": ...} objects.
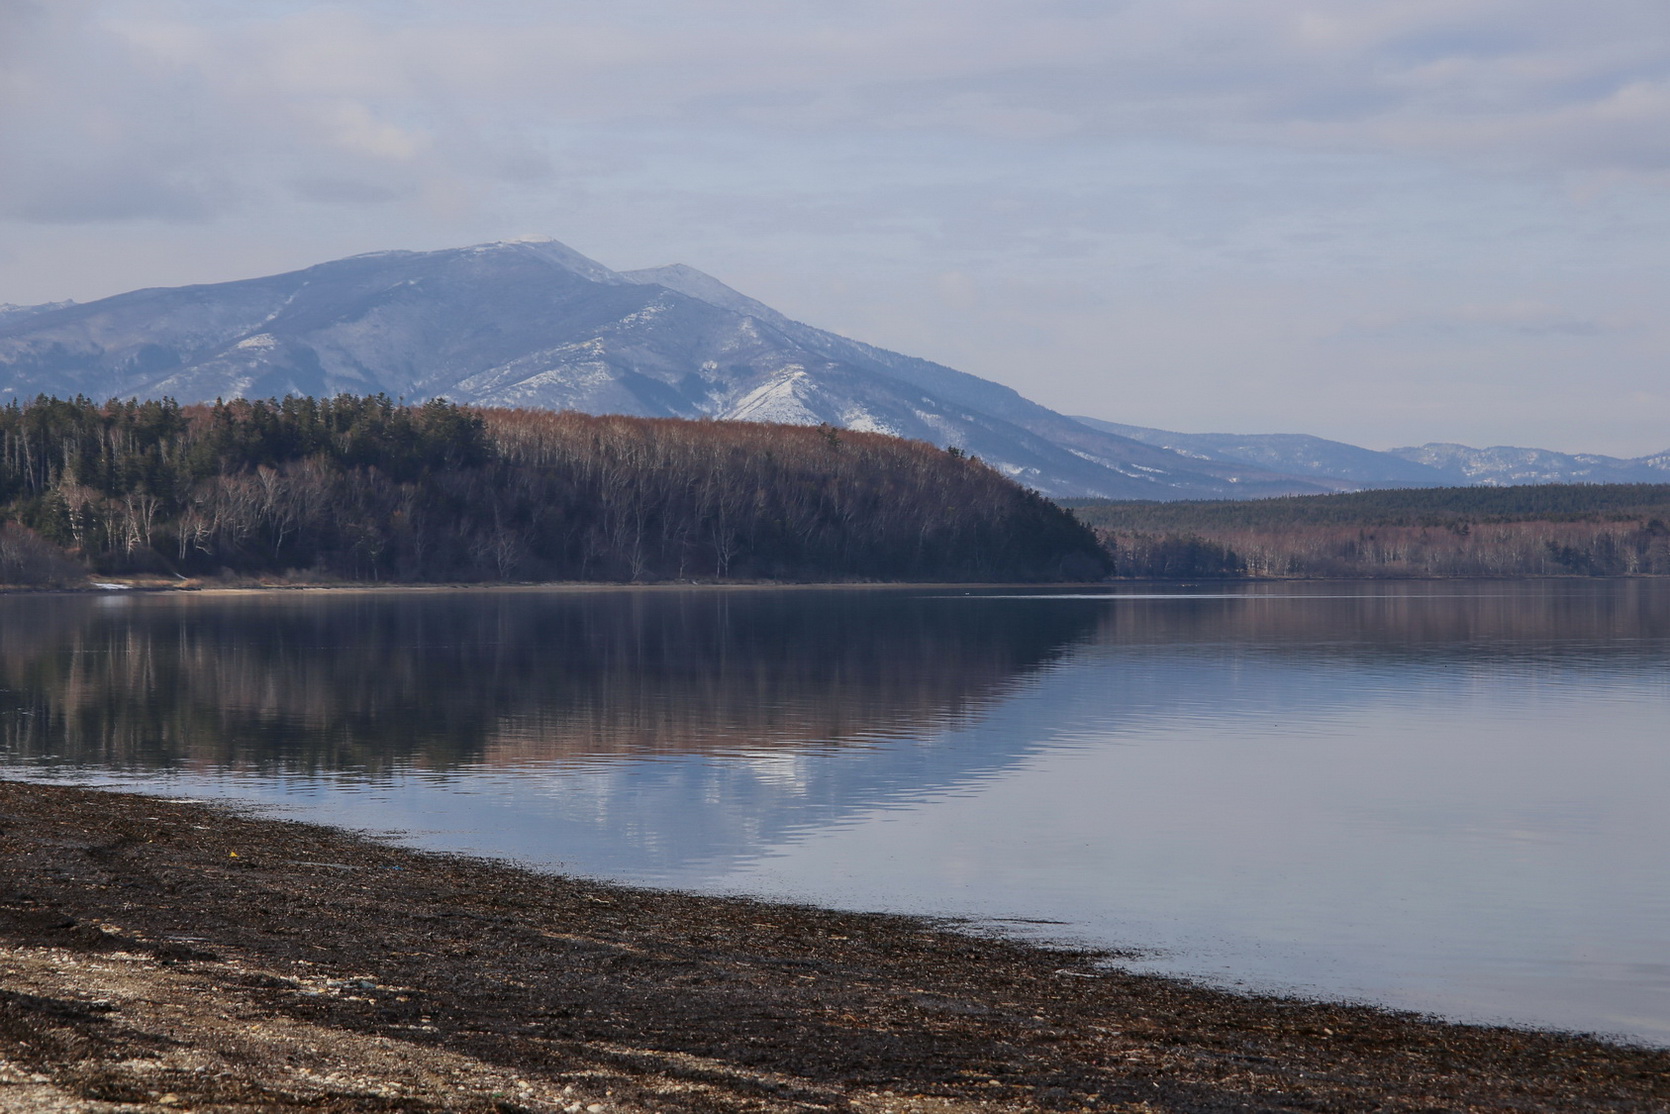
[{"x": 157, "y": 949}]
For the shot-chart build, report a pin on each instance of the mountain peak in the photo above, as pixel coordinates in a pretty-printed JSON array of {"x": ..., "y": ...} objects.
[
  {"x": 543, "y": 248},
  {"x": 554, "y": 252}
]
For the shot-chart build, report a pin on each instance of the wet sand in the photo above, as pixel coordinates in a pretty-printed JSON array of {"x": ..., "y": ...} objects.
[{"x": 172, "y": 956}]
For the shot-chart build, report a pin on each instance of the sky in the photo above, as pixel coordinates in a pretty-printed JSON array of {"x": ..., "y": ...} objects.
[{"x": 1383, "y": 222}]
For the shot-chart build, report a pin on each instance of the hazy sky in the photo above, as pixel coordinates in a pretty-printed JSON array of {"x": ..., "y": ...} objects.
[{"x": 1387, "y": 221}]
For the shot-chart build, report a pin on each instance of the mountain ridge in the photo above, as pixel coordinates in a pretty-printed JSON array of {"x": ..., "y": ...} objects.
[
  {"x": 535, "y": 324},
  {"x": 1435, "y": 464},
  {"x": 1505, "y": 465}
]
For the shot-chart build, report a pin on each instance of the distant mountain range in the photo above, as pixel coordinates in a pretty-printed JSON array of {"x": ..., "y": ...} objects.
[
  {"x": 533, "y": 323},
  {"x": 1430, "y": 465}
]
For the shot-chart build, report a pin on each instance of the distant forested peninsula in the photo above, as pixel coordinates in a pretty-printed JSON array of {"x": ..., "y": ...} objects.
[
  {"x": 1533, "y": 530},
  {"x": 365, "y": 489}
]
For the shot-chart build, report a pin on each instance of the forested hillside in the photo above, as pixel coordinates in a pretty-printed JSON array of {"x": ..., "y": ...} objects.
[
  {"x": 363, "y": 489},
  {"x": 1541, "y": 530}
]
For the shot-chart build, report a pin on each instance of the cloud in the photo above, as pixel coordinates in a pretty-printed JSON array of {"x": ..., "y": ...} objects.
[
  {"x": 204, "y": 105},
  {"x": 333, "y": 191},
  {"x": 86, "y": 136},
  {"x": 1094, "y": 197},
  {"x": 110, "y": 117},
  {"x": 1485, "y": 324}
]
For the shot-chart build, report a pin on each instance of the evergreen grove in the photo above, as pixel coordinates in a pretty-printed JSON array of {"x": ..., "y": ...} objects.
[{"x": 365, "y": 489}]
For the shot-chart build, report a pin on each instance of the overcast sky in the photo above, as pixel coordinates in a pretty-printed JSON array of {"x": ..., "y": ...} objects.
[{"x": 1385, "y": 221}]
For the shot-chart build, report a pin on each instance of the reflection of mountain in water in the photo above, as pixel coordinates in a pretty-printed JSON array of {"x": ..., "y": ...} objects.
[
  {"x": 669, "y": 736},
  {"x": 1278, "y": 659},
  {"x": 365, "y": 682}
]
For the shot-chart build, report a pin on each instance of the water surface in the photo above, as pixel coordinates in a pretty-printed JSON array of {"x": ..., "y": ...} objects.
[{"x": 1447, "y": 797}]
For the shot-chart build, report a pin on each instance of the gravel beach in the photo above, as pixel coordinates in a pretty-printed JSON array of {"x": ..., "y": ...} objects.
[{"x": 157, "y": 955}]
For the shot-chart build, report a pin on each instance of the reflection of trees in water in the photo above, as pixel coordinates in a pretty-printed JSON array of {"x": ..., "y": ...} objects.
[
  {"x": 343, "y": 681},
  {"x": 1392, "y": 619}
]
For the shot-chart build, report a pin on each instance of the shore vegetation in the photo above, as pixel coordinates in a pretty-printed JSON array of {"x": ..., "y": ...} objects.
[
  {"x": 1533, "y": 530},
  {"x": 365, "y": 489}
]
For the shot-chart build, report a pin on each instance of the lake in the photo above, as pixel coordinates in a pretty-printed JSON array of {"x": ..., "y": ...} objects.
[{"x": 1442, "y": 796}]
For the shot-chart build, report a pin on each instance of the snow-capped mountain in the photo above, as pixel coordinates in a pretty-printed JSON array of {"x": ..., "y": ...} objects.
[
  {"x": 1431, "y": 465},
  {"x": 10, "y": 314},
  {"x": 1505, "y": 465},
  {"x": 536, "y": 324},
  {"x": 1296, "y": 453}
]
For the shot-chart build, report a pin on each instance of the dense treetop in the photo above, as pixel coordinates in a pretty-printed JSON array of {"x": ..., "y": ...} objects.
[{"x": 365, "y": 488}]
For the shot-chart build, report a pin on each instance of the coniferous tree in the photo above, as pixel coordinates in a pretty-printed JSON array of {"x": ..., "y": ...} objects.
[{"x": 365, "y": 489}]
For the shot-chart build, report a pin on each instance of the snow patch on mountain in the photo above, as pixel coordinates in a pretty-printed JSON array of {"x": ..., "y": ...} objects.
[
  {"x": 784, "y": 399},
  {"x": 1505, "y": 465},
  {"x": 859, "y": 419}
]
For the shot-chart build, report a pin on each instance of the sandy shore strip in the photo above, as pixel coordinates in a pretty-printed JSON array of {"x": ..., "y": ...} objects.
[{"x": 159, "y": 955}]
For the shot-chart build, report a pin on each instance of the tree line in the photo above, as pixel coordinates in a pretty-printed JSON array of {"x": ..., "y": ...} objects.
[
  {"x": 1429, "y": 506},
  {"x": 365, "y": 489},
  {"x": 1536, "y": 530}
]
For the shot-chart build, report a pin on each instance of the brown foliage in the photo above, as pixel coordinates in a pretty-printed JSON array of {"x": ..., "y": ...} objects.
[
  {"x": 364, "y": 489},
  {"x": 638, "y": 498},
  {"x": 1629, "y": 547}
]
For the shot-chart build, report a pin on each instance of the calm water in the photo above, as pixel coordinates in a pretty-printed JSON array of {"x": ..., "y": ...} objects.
[{"x": 1448, "y": 797}]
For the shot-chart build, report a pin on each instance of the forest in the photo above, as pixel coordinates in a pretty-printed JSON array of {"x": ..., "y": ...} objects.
[
  {"x": 365, "y": 489},
  {"x": 1533, "y": 530}
]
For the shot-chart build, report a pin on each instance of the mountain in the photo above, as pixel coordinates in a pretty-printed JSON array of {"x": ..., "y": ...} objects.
[
  {"x": 533, "y": 323},
  {"x": 1506, "y": 465},
  {"x": 10, "y": 314},
  {"x": 1295, "y": 453},
  {"x": 1354, "y": 468}
]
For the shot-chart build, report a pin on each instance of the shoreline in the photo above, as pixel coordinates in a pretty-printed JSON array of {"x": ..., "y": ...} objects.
[
  {"x": 114, "y": 587},
  {"x": 347, "y": 586},
  {"x": 166, "y": 955}
]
